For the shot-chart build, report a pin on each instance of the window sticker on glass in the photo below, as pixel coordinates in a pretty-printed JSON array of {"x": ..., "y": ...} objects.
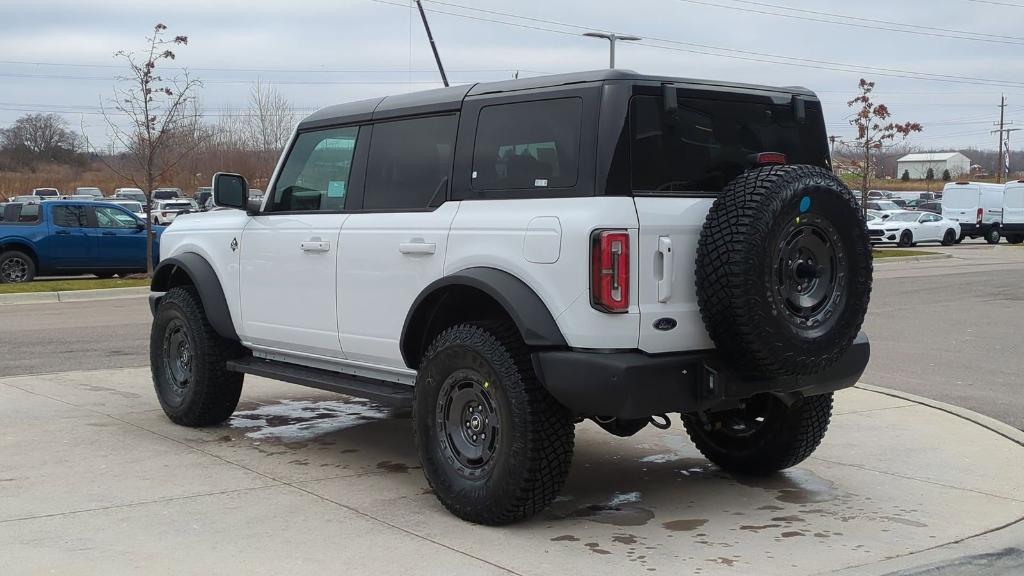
[
  {"x": 336, "y": 189},
  {"x": 540, "y": 183}
]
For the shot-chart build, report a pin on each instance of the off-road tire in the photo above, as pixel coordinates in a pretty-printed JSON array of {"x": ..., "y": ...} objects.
[
  {"x": 212, "y": 392},
  {"x": 736, "y": 262},
  {"x": 906, "y": 239},
  {"x": 533, "y": 447},
  {"x": 27, "y": 267},
  {"x": 949, "y": 237},
  {"x": 786, "y": 438},
  {"x": 993, "y": 235}
]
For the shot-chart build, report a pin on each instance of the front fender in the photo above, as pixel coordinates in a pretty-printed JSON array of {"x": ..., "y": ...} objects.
[{"x": 191, "y": 268}]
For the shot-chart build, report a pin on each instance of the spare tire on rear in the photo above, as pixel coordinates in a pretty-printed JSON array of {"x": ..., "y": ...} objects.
[{"x": 784, "y": 271}]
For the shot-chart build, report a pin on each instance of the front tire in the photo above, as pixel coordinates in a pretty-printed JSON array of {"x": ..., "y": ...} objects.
[
  {"x": 494, "y": 445},
  {"x": 763, "y": 437},
  {"x": 906, "y": 239},
  {"x": 16, "y": 267},
  {"x": 188, "y": 361}
]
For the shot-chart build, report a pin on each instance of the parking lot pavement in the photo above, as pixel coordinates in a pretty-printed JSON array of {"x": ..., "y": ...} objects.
[{"x": 95, "y": 480}]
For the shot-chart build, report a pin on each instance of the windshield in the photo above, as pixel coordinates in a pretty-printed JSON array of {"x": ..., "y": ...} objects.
[
  {"x": 46, "y": 192},
  {"x": 176, "y": 206},
  {"x": 905, "y": 217},
  {"x": 704, "y": 144},
  {"x": 887, "y": 205},
  {"x": 88, "y": 192},
  {"x": 131, "y": 206}
]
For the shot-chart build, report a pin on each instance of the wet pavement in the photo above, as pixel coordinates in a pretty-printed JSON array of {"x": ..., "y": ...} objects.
[{"x": 95, "y": 480}]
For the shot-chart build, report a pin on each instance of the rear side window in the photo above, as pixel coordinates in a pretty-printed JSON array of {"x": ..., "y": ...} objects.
[
  {"x": 528, "y": 145},
  {"x": 70, "y": 216},
  {"x": 316, "y": 174},
  {"x": 409, "y": 164},
  {"x": 20, "y": 213},
  {"x": 705, "y": 144}
]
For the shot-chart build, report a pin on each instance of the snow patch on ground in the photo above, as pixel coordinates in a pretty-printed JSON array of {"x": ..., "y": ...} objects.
[
  {"x": 624, "y": 498},
  {"x": 302, "y": 420}
]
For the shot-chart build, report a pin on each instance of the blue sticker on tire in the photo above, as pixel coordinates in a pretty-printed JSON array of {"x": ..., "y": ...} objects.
[{"x": 805, "y": 204}]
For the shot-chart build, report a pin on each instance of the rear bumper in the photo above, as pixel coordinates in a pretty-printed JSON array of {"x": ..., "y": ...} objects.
[{"x": 637, "y": 385}]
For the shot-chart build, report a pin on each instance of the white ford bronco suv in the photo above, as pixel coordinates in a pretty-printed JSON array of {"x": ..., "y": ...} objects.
[{"x": 508, "y": 259}]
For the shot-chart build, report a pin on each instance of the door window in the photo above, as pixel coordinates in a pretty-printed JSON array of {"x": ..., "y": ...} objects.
[
  {"x": 70, "y": 216},
  {"x": 528, "y": 145},
  {"x": 107, "y": 217},
  {"x": 930, "y": 218},
  {"x": 409, "y": 164},
  {"x": 316, "y": 175}
]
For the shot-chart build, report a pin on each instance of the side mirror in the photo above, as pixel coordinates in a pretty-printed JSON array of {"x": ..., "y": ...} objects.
[
  {"x": 140, "y": 225},
  {"x": 230, "y": 190}
]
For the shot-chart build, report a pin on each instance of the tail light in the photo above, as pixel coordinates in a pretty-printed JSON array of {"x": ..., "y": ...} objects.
[
  {"x": 164, "y": 214},
  {"x": 609, "y": 271},
  {"x": 981, "y": 212},
  {"x": 768, "y": 158}
]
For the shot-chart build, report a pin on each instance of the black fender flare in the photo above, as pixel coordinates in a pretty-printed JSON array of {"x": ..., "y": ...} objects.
[
  {"x": 201, "y": 275},
  {"x": 531, "y": 316}
]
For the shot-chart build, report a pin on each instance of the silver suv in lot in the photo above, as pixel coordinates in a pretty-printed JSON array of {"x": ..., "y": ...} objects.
[{"x": 509, "y": 259}]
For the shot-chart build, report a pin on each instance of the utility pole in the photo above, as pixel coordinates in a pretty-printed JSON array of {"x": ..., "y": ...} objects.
[
  {"x": 1002, "y": 126},
  {"x": 433, "y": 46},
  {"x": 611, "y": 38}
]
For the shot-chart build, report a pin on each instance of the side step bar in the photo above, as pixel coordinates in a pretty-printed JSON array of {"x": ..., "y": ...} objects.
[{"x": 380, "y": 391}]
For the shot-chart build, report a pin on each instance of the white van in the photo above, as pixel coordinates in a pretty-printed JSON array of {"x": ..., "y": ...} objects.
[
  {"x": 1013, "y": 212},
  {"x": 977, "y": 206}
]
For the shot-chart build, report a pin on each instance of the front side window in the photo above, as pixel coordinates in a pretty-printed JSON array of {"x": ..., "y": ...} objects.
[
  {"x": 315, "y": 177},
  {"x": 704, "y": 144},
  {"x": 528, "y": 145},
  {"x": 107, "y": 217},
  {"x": 70, "y": 216},
  {"x": 409, "y": 163}
]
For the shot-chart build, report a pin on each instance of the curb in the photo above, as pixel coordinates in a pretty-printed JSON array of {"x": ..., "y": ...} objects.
[
  {"x": 908, "y": 259},
  {"x": 1005, "y": 430},
  {"x": 73, "y": 295}
]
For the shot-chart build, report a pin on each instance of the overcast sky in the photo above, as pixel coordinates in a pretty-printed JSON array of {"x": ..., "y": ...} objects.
[{"x": 56, "y": 55}]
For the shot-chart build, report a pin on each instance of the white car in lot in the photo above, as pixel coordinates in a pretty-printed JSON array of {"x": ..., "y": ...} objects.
[
  {"x": 164, "y": 211},
  {"x": 907, "y": 228}
]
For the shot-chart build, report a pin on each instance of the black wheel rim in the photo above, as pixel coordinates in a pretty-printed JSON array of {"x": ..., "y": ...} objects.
[
  {"x": 177, "y": 357},
  {"x": 809, "y": 272},
  {"x": 747, "y": 421},
  {"x": 14, "y": 269},
  {"x": 468, "y": 422}
]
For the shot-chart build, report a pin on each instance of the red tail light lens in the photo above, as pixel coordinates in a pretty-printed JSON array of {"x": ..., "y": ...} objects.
[
  {"x": 609, "y": 271},
  {"x": 767, "y": 158},
  {"x": 981, "y": 212}
]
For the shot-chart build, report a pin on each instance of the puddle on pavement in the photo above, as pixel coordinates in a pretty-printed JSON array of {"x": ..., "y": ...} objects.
[
  {"x": 684, "y": 525},
  {"x": 795, "y": 486},
  {"x": 304, "y": 420}
]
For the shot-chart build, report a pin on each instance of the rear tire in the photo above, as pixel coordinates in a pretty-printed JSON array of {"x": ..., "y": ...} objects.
[
  {"x": 188, "y": 361},
  {"x": 786, "y": 435},
  {"x": 494, "y": 445},
  {"x": 1015, "y": 239},
  {"x": 992, "y": 236},
  {"x": 16, "y": 267},
  {"x": 949, "y": 237}
]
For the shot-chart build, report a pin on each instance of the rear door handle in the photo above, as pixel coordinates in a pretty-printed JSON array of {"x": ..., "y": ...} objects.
[
  {"x": 110, "y": 233},
  {"x": 417, "y": 247},
  {"x": 63, "y": 232},
  {"x": 665, "y": 283},
  {"x": 315, "y": 246}
]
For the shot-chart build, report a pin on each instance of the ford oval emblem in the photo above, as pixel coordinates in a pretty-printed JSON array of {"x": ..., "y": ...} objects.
[{"x": 664, "y": 324}]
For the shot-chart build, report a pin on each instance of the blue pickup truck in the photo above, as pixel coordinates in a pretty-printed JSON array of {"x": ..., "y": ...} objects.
[{"x": 71, "y": 237}]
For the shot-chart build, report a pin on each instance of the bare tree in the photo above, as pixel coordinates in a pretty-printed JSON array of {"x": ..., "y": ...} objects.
[
  {"x": 874, "y": 132},
  {"x": 163, "y": 119},
  {"x": 45, "y": 135},
  {"x": 269, "y": 123}
]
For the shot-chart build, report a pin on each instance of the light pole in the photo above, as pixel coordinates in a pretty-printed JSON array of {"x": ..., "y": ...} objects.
[{"x": 611, "y": 38}]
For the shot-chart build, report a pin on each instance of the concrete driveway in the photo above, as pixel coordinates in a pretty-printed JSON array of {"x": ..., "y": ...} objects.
[{"x": 95, "y": 480}]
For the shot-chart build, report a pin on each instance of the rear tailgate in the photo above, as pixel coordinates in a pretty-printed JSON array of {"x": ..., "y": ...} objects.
[{"x": 669, "y": 316}]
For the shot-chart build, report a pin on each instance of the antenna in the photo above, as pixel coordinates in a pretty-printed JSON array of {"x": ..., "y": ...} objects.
[{"x": 433, "y": 46}]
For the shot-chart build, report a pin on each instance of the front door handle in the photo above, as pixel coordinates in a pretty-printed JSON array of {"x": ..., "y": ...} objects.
[
  {"x": 63, "y": 232},
  {"x": 315, "y": 246},
  {"x": 110, "y": 233},
  {"x": 417, "y": 247}
]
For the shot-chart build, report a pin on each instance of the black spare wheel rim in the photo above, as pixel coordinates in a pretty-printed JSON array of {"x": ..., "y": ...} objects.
[
  {"x": 469, "y": 422},
  {"x": 177, "y": 358},
  {"x": 739, "y": 426},
  {"x": 809, "y": 272},
  {"x": 14, "y": 269}
]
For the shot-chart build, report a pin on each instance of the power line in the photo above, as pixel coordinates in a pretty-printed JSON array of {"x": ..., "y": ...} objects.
[
  {"x": 732, "y": 53},
  {"x": 899, "y": 27},
  {"x": 273, "y": 70},
  {"x": 995, "y": 3}
]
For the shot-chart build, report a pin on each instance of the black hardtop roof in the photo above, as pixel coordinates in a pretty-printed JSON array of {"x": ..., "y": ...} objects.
[{"x": 450, "y": 99}]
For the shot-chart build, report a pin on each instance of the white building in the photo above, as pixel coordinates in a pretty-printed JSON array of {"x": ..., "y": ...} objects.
[{"x": 918, "y": 164}]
